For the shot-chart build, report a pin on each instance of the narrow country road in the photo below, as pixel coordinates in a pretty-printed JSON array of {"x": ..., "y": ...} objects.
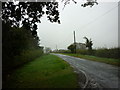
[{"x": 104, "y": 74}]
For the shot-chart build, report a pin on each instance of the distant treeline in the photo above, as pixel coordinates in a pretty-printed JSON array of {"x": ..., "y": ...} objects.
[
  {"x": 18, "y": 47},
  {"x": 102, "y": 52}
]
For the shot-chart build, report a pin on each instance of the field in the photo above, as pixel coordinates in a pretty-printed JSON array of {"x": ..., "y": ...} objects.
[{"x": 48, "y": 71}]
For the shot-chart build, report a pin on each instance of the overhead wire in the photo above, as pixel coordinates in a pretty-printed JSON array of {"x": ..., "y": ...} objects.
[
  {"x": 97, "y": 18},
  {"x": 84, "y": 26}
]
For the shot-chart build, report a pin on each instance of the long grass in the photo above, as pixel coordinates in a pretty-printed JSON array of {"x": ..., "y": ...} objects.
[{"x": 48, "y": 71}]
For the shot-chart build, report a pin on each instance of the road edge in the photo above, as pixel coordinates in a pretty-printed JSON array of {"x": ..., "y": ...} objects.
[{"x": 82, "y": 77}]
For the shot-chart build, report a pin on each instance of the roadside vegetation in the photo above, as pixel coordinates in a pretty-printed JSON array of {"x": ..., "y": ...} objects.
[
  {"x": 111, "y": 61},
  {"x": 47, "y": 71},
  {"x": 20, "y": 42},
  {"x": 109, "y": 56},
  {"x": 102, "y": 52},
  {"x": 19, "y": 46},
  {"x": 24, "y": 65}
]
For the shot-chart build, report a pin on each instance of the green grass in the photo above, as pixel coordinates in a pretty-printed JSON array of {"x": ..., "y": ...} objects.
[
  {"x": 48, "y": 71},
  {"x": 111, "y": 61}
]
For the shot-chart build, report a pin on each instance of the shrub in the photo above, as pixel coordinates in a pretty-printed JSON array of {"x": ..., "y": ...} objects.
[
  {"x": 26, "y": 56},
  {"x": 103, "y": 52},
  {"x": 108, "y": 53},
  {"x": 18, "y": 47},
  {"x": 86, "y": 52}
]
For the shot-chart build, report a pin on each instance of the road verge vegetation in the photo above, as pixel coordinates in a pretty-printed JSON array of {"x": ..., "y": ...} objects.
[
  {"x": 111, "y": 61},
  {"x": 19, "y": 46},
  {"x": 48, "y": 71}
]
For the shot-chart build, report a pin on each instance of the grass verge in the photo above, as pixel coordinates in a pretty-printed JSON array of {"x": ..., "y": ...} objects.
[
  {"x": 48, "y": 71},
  {"x": 111, "y": 61}
]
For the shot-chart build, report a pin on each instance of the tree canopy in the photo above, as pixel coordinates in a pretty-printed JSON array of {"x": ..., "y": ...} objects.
[
  {"x": 27, "y": 14},
  {"x": 72, "y": 48},
  {"x": 88, "y": 43}
]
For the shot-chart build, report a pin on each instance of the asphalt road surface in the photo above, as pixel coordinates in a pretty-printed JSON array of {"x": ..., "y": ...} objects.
[{"x": 104, "y": 74}]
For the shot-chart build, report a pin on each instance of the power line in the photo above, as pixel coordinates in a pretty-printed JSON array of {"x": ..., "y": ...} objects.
[{"x": 84, "y": 26}]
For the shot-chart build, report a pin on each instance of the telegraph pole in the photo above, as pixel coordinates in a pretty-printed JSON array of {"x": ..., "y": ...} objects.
[
  {"x": 74, "y": 41},
  {"x": 74, "y": 37}
]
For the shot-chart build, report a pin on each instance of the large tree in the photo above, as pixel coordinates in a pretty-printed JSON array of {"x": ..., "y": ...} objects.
[{"x": 27, "y": 14}]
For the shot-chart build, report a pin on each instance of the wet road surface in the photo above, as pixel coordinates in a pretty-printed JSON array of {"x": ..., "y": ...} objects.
[{"x": 104, "y": 74}]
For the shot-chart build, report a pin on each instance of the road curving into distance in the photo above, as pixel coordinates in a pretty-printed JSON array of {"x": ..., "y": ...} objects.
[{"x": 104, "y": 75}]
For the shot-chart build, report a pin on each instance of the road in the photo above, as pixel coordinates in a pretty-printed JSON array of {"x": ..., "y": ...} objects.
[{"x": 104, "y": 74}]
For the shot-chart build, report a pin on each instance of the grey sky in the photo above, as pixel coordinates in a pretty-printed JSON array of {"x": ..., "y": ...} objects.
[{"x": 100, "y": 23}]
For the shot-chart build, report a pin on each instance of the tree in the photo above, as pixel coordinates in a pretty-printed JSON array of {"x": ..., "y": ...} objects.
[
  {"x": 87, "y": 3},
  {"x": 88, "y": 43},
  {"x": 19, "y": 35},
  {"x": 90, "y": 3},
  {"x": 18, "y": 46},
  {"x": 72, "y": 47},
  {"x": 27, "y": 14}
]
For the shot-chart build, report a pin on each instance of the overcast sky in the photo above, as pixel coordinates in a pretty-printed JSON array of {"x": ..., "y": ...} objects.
[{"x": 100, "y": 23}]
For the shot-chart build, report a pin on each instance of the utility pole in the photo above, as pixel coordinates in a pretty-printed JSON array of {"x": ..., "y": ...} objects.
[
  {"x": 74, "y": 41},
  {"x": 74, "y": 37}
]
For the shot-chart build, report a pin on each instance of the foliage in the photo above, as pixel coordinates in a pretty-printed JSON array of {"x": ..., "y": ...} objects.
[
  {"x": 18, "y": 46},
  {"x": 72, "y": 47},
  {"x": 87, "y": 3},
  {"x": 19, "y": 22},
  {"x": 19, "y": 28},
  {"x": 88, "y": 43},
  {"x": 90, "y": 3},
  {"x": 48, "y": 71},
  {"x": 86, "y": 52},
  {"x": 102, "y": 52},
  {"x": 108, "y": 53},
  {"x": 28, "y": 14},
  {"x": 26, "y": 56}
]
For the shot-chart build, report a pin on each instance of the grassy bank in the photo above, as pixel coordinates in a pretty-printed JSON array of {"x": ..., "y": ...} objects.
[
  {"x": 48, "y": 71},
  {"x": 111, "y": 61}
]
